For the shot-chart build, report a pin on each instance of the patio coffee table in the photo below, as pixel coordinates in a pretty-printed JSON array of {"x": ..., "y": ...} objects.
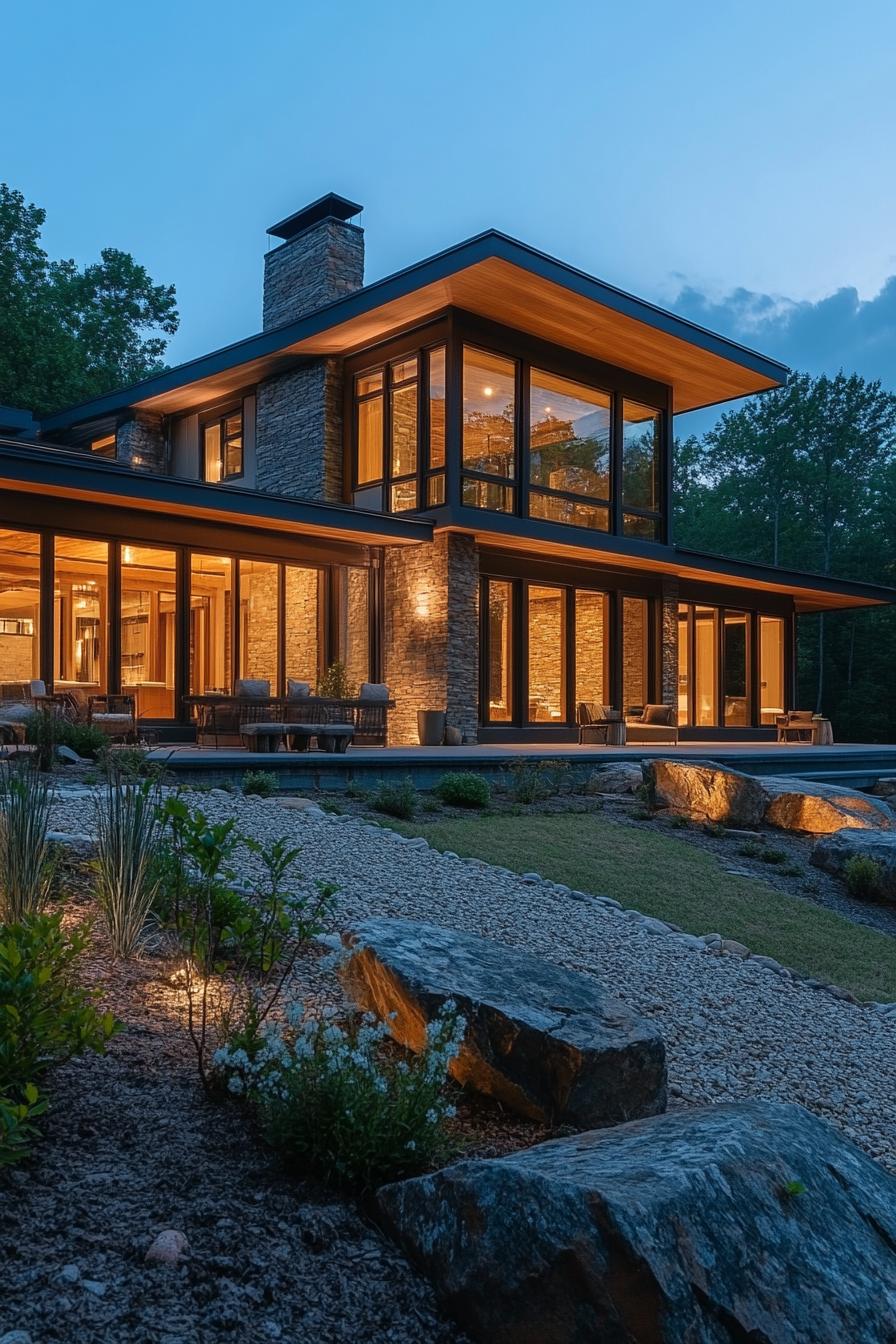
[{"x": 266, "y": 737}]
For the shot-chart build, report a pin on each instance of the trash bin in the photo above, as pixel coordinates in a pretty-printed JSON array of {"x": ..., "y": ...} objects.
[{"x": 431, "y": 727}]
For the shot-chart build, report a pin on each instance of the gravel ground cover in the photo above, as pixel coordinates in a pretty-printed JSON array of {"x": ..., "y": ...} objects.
[{"x": 132, "y": 1149}]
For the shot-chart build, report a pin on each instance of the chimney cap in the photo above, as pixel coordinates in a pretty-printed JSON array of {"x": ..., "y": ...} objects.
[{"x": 330, "y": 206}]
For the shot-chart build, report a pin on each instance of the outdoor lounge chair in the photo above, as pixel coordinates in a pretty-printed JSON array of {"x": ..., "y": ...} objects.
[
  {"x": 593, "y": 721},
  {"x": 655, "y": 723},
  {"x": 114, "y": 715},
  {"x": 797, "y": 726}
]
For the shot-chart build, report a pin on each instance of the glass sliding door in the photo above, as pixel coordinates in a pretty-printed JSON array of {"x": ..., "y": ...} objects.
[
  {"x": 211, "y": 624},
  {"x": 19, "y": 606},
  {"x": 148, "y": 630},
  {"x": 684, "y": 665},
  {"x": 591, "y": 646},
  {"x": 499, "y": 652},
  {"x": 545, "y": 637},
  {"x": 771, "y": 669},
  {"x": 705, "y": 667},
  {"x": 260, "y": 622},
  {"x": 303, "y": 624},
  {"x": 635, "y": 654},
  {"x": 734, "y": 669},
  {"x": 80, "y": 614}
]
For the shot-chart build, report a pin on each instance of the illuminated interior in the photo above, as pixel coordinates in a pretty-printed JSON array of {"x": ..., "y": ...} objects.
[
  {"x": 149, "y": 628},
  {"x": 715, "y": 661},
  {"x": 19, "y": 606},
  {"x": 80, "y": 614},
  {"x": 546, "y": 616},
  {"x": 771, "y": 668}
]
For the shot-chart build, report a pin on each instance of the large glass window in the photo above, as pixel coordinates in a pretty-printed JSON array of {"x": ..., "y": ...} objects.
[
  {"x": 591, "y": 644},
  {"x": 500, "y": 652},
  {"x": 546, "y": 628},
  {"x": 222, "y": 447},
  {"x": 303, "y": 623},
  {"x": 569, "y": 449},
  {"x": 353, "y": 623},
  {"x": 369, "y": 400},
  {"x": 81, "y": 614},
  {"x": 684, "y": 665},
  {"x": 19, "y": 606},
  {"x": 705, "y": 666},
  {"x": 771, "y": 668},
  {"x": 403, "y": 435},
  {"x": 736, "y": 650},
  {"x": 149, "y": 628},
  {"x": 260, "y": 621},
  {"x": 640, "y": 470},
  {"x": 635, "y": 653},
  {"x": 211, "y": 624},
  {"x": 488, "y": 434}
]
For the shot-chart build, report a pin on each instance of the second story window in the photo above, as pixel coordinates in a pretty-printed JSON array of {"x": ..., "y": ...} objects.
[
  {"x": 107, "y": 446},
  {"x": 569, "y": 451},
  {"x": 640, "y": 471},
  {"x": 399, "y": 433},
  {"x": 222, "y": 447},
  {"x": 489, "y": 431}
]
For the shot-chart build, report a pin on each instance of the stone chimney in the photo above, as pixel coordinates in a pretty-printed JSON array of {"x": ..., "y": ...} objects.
[
  {"x": 321, "y": 259},
  {"x": 298, "y": 425}
]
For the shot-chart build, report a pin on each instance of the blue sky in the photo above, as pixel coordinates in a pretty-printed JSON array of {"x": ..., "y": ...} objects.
[{"x": 735, "y": 162}]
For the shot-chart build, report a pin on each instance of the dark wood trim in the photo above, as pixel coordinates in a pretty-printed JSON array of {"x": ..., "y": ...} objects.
[
  {"x": 113, "y": 598},
  {"x": 47, "y": 606}
]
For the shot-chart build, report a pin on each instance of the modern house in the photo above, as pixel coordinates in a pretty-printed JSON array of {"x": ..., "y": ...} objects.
[{"x": 456, "y": 480}]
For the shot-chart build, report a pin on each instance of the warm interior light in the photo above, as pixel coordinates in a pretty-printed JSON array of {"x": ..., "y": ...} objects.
[
  {"x": 421, "y": 610},
  {"x": 488, "y": 391},
  {"x": 128, "y": 555}
]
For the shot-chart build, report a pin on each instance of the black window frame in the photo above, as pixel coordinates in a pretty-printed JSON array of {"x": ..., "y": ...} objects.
[{"x": 219, "y": 417}]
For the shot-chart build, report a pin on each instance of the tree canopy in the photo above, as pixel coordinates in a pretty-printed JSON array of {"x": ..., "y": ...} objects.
[
  {"x": 805, "y": 476},
  {"x": 70, "y": 333}
]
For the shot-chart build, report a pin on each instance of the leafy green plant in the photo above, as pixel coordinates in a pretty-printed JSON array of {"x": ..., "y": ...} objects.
[
  {"x": 128, "y": 832},
  {"x": 396, "y": 798},
  {"x": 463, "y": 788},
  {"x": 528, "y": 781},
  {"x": 27, "y": 859},
  {"x": 335, "y": 683},
  {"x": 45, "y": 1017},
  {"x": 791, "y": 1189},
  {"x": 751, "y": 849},
  {"x": 45, "y": 730},
  {"x": 335, "y": 1099},
  {"x": 237, "y": 953},
  {"x": 862, "y": 875},
  {"x": 772, "y": 856},
  {"x": 261, "y": 783}
]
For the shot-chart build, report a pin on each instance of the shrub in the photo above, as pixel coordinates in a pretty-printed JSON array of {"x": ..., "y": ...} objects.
[
  {"x": 335, "y": 684},
  {"x": 772, "y": 855},
  {"x": 27, "y": 860},
  {"x": 529, "y": 781},
  {"x": 261, "y": 783},
  {"x": 862, "y": 875},
  {"x": 128, "y": 832},
  {"x": 396, "y": 799},
  {"x": 335, "y": 1099},
  {"x": 463, "y": 789},
  {"x": 249, "y": 947},
  {"x": 46, "y": 730},
  {"x": 45, "y": 1018},
  {"x": 751, "y": 849}
]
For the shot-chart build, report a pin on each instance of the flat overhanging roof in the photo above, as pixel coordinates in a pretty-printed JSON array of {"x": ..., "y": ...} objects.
[
  {"x": 492, "y": 276},
  {"x": 80, "y": 476}
]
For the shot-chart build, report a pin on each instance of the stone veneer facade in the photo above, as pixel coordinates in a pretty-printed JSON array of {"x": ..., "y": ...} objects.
[
  {"x": 431, "y": 635},
  {"x": 298, "y": 422},
  {"x": 141, "y": 442},
  {"x": 669, "y": 637}
]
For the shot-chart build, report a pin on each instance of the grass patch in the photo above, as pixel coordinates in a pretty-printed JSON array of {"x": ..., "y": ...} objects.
[{"x": 673, "y": 880}]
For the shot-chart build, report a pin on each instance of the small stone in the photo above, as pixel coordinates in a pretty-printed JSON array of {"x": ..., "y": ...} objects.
[
  {"x": 272, "y": 1330},
  {"x": 734, "y": 948},
  {"x": 16, "y": 1337},
  {"x": 94, "y": 1286},
  {"x": 167, "y": 1249},
  {"x": 70, "y": 1273},
  {"x": 531, "y": 877},
  {"x": 654, "y": 925},
  {"x": 295, "y": 804},
  {"x": 768, "y": 962}
]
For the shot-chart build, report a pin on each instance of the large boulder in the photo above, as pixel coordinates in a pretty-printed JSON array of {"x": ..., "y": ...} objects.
[
  {"x": 620, "y": 777},
  {"x": 803, "y": 805},
  {"x": 548, "y": 1043},
  {"x": 745, "y": 1221},
  {"x": 833, "y": 852},
  {"x": 704, "y": 791}
]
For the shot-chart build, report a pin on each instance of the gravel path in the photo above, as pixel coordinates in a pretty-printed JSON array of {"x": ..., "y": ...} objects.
[{"x": 733, "y": 1028}]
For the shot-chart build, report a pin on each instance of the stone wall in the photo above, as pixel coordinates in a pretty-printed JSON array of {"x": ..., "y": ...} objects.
[
  {"x": 298, "y": 432},
  {"x": 318, "y": 266},
  {"x": 591, "y": 614},
  {"x": 669, "y": 653},
  {"x": 431, "y": 636},
  {"x": 546, "y": 652},
  {"x": 635, "y": 645},
  {"x": 17, "y": 660},
  {"x": 141, "y": 443}
]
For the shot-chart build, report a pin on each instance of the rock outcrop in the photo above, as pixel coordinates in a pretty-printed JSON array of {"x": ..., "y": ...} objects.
[
  {"x": 819, "y": 809},
  {"x": 546, "y": 1042},
  {"x": 620, "y": 777},
  {"x": 743, "y": 1221},
  {"x": 704, "y": 791},
  {"x": 833, "y": 852}
]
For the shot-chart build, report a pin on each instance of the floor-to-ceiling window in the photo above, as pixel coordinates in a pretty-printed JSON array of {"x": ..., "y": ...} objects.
[
  {"x": 706, "y": 678},
  {"x": 499, "y": 707},
  {"x": 736, "y": 647},
  {"x": 771, "y": 668},
  {"x": 81, "y": 614},
  {"x": 149, "y": 628},
  {"x": 546, "y": 653},
  {"x": 592, "y": 646},
  {"x": 211, "y": 624},
  {"x": 260, "y": 622},
  {"x": 19, "y": 606}
]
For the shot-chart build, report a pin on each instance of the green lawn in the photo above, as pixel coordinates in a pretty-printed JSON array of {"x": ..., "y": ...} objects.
[{"x": 662, "y": 875}]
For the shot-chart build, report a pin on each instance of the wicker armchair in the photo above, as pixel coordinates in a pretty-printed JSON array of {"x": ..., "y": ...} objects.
[{"x": 114, "y": 715}]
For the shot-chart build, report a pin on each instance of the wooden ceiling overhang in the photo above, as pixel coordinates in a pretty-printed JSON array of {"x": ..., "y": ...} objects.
[{"x": 491, "y": 276}]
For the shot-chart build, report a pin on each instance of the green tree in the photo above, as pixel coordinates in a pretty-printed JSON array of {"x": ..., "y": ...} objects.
[{"x": 70, "y": 333}]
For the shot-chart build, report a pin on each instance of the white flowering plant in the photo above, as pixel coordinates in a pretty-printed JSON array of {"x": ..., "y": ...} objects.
[{"x": 340, "y": 1102}]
